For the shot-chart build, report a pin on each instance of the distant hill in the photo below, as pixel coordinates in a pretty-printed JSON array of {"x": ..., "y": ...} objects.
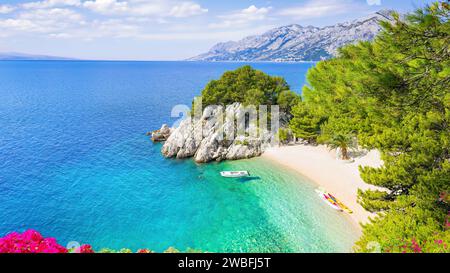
[
  {"x": 296, "y": 42},
  {"x": 13, "y": 56}
]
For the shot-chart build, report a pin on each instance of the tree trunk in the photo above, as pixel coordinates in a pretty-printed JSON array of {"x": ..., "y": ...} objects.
[{"x": 344, "y": 153}]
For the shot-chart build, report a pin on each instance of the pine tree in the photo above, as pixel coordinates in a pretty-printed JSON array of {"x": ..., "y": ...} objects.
[{"x": 393, "y": 95}]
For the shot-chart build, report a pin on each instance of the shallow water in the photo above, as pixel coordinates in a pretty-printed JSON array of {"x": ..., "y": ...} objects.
[{"x": 76, "y": 165}]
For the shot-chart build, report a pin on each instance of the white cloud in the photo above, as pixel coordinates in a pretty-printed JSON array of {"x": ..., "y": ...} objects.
[
  {"x": 242, "y": 17},
  {"x": 50, "y": 4},
  {"x": 61, "y": 35},
  {"x": 374, "y": 2},
  {"x": 52, "y": 14},
  {"x": 16, "y": 24},
  {"x": 131, "y": 19},
  {"x": 125, "y": 19},
  {"x": 66, "y": 19},
  {"x": 157, "y": 8},
  {"x": 253, "y": 13},
  {"x": 4, "y": 9},
  {"x": 106, "y": 6},
  {"x": 187, "y": 9},
  {"x": 43, "y": 21},
  {"x": 319, "y": 8},
  {"x": 115, "y": 28}
]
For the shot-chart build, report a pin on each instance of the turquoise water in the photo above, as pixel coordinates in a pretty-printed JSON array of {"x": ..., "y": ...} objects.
[{"x": 76, "y": 165}]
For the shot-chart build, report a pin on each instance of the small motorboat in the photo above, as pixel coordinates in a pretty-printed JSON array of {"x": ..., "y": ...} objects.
[{"x": 235, "y": 174}]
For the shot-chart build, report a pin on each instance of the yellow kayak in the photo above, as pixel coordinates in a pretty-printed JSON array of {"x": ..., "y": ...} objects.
[
  {"x": 324, "y": 196},
  {"x": 344, "y": 207},
  {"x": 334, "y": 201}
]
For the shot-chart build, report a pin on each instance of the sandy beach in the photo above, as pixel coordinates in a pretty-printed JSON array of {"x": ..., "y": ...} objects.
[{"x": 338, "y": 177}]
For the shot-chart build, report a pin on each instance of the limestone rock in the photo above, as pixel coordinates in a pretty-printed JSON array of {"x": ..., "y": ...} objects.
[
  {"x": 213, "y": 137},
  {"x": 162, "y": 134}
]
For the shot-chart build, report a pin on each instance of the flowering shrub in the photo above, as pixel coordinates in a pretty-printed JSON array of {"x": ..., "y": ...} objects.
[
  {"x": 85, "y": 249},
  {"x": 32, "y": 241},
  {"x": 144, "y": 251},
  {"x": 412, "y": 247},
  {"x": 437, "y": 244},
  {"x": 126, "y": 250}
]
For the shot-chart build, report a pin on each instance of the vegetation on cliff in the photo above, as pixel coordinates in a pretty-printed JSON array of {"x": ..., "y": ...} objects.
[{"x": 249, "y": 86}]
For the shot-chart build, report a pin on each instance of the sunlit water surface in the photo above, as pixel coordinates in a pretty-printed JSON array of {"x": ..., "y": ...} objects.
[{"x": 76, "y": 165}]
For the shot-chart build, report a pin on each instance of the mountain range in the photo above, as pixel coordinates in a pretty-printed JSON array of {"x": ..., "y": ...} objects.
[
  {"x": 296, "y": 42},
  {"x": 14, "y": 56}
]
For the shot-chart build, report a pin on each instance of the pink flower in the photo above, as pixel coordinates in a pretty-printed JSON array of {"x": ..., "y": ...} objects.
[
  {"x": 86, "y": 249},
  {"x": 30, "y": 241},
  {"x": 32, "y": 236}
]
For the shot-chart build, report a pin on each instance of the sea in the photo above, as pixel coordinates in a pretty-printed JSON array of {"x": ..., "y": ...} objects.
[{"x": 76, "y": 165}]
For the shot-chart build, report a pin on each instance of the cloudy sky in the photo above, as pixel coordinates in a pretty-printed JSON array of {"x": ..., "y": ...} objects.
[{"x": 161, "y": 29}]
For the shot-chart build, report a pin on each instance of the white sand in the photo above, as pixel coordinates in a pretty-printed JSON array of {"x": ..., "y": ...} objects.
[{"x": 340, "y": 178}]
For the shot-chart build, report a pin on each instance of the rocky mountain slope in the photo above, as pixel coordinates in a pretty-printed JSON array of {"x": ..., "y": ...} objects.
[{"x": 297, "y": 43}]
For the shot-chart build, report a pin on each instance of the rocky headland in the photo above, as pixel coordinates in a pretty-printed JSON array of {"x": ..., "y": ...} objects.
[{"x": 214, "y": 136}]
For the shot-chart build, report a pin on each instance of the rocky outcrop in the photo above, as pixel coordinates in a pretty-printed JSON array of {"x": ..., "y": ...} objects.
[
  {"x": 214, "y": 137},
  {"x": 162, "y": 134}
]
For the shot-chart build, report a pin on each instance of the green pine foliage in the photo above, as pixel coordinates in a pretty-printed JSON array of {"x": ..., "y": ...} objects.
[
  {"x": 250, "y": 87},
  {"x": 283, "y": 135},
  {"x": 306, "y": 123},
  {"x": 392, "y": 94}
]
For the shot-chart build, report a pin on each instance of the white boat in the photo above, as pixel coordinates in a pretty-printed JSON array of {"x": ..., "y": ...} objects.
[{"x": 235, "y": 174}]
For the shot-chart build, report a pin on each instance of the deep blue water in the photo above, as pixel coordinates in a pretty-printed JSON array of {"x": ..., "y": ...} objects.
[{"x": 75, "y": 164}]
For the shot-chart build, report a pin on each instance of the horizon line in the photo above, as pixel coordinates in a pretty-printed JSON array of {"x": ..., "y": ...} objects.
[{"x": 63, "y": 59}]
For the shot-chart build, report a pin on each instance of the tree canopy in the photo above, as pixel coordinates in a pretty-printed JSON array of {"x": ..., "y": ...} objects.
[
  {"x": 250, "y": 87},
  {"x": 393, "y": 95}
]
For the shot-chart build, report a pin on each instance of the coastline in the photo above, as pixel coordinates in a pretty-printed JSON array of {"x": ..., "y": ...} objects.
[{"x": 339, "y": 178}]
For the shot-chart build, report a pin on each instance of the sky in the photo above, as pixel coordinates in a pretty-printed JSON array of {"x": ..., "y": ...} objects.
[{"x": 162, "y": 29}]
